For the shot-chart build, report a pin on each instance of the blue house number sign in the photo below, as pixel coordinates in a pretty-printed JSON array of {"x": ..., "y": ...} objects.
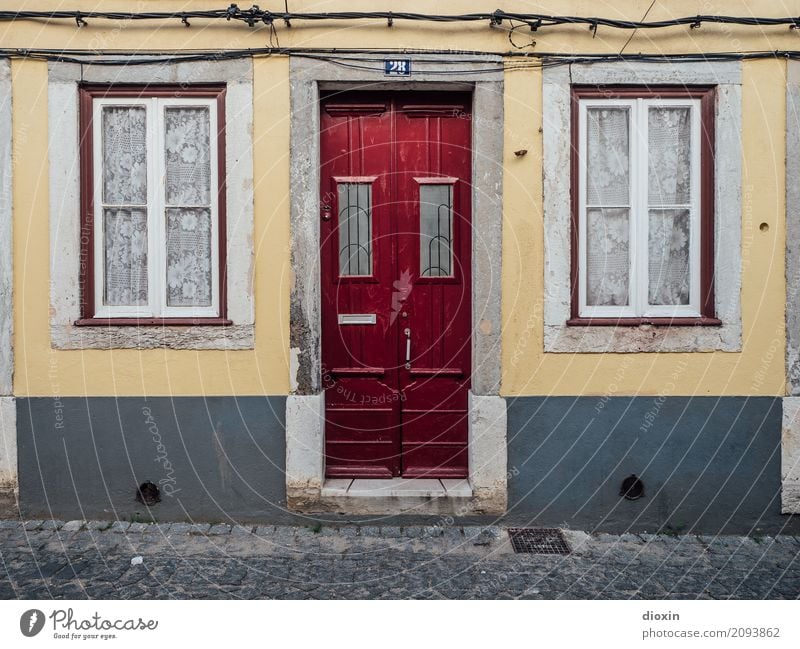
[{"x": 397, "y": 67}]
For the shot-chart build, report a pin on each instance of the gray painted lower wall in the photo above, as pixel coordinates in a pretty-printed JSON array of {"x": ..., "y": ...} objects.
[
  {"x": 215, "y": 458},
  {"x": 709, "y": 464}
]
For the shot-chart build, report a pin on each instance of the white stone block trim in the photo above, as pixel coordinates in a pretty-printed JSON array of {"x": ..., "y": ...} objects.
[
  {"x": 63, "y": 80},
  {"x": 8, "y": 443},
  {"x": 793, "y": 227},
  {"x": 305, "y": 451},
  {"x": 305, "y": 442},
  {"x": 6, "y": 234},
  {"x": 556, "y": 95},
  {"x": 790, "y": 456}
]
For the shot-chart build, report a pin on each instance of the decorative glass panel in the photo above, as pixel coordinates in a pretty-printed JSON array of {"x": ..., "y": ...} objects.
[
  {"x": 124, "y": 143},
  {"x": 670, "y": 159},
  {"x": 355, "y": 228},
  {"x": 188, "y": 155},
  {"x": 608, "y": 156},
  {"x": 435, "y": 230},
  {"x": 668, "y": 245},
  {"x": 607, "y": 257},
  {"x": 189, "y": 276},
  {"x": 125, "y": 235}
]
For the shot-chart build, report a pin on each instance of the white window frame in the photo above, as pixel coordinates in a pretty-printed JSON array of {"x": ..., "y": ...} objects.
[
  {"x": 638, "y": 206},
  {"x": 156, "y": 207}
]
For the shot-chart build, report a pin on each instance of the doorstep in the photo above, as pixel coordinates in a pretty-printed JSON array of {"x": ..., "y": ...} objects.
[
  {"x": 397, "y": 487},
  {"x": 397, "y": 495}
]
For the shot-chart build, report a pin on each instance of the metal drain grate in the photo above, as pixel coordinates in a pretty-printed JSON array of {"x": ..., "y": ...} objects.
[{"x": 542, "y": 540}]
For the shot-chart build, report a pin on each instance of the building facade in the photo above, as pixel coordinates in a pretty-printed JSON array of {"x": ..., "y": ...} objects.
[{"x": 312, "y": 267}]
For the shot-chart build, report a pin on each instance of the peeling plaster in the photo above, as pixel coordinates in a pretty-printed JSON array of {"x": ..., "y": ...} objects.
[{"x": 294, "y": 368}]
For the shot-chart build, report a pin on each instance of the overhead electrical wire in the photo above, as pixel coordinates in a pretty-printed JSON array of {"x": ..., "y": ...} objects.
[
  {"x": 360, "y": 58},
  {"x": 255, "y": 15},
  {"x": 523, "y": 56}
]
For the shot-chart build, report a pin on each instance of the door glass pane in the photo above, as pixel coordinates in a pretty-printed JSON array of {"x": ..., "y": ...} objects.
[
  {"x": 435, "y": 230},
  {"x": 124, "y": 144},
  {"x": 607, "y": 156},
  {"x": 125, "y": 242},
  {"x": 189, "y": 276},
  {"x": 669, "y": 139},
  {"x": 668, "y": 245},
  {"x": 188, "y": 155},
  {"x": 355, "y": 228},
  {"x": 607, "y": 257}
]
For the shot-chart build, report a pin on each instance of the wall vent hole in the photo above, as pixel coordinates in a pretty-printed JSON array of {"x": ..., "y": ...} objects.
[
  {"x": 632, "y": 488},
  {"x": 148, "y": 493}
]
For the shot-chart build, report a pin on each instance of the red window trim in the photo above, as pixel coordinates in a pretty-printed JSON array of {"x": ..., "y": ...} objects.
[
  {"x": 707, "y": 97},
  {"x": 87, "y": 93}
]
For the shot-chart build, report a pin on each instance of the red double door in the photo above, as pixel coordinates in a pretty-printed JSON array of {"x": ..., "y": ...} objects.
[{"x": 396, "y": 293}]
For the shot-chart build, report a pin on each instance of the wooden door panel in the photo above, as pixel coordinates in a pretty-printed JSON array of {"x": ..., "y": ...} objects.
[
  {"x": 435, "y": 461},
  {"x": 385, "y": 417},
  {"x": 436, "y": 139}
]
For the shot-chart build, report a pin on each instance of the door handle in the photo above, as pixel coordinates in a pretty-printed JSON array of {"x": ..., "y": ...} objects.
[{"x": 408, "y": 348}]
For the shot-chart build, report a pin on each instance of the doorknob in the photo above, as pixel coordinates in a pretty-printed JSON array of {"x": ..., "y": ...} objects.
[
  {"x": 408, "y": 348},
  {"x": 326, "y": 212}
]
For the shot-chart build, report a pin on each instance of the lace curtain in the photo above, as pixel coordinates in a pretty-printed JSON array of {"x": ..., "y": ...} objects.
[
  {"x": 187, "y": 186},
  {"x": 669, "y": 184},
  {"x": 608, "y": 220},
  {"x": 607, "y": 257},
  {"x": 124, "y": 155},
  {"x": 188, "y": 154},
  {"x": 668, "y": 248},
  {"x": 125, "y": 257},
  {"x": 124, "y": 146},
  {"x": 608, "y": 214},
  {"x": 188, "y": 257}
]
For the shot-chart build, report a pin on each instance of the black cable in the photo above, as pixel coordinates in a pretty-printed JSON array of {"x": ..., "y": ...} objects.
[
  {"x": 256, "y": 15},
  {"x": 510, "y": 60}
]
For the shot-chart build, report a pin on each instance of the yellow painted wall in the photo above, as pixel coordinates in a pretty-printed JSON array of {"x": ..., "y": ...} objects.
[
  {"x": 40, "y": 370},
  {"x": 758, "y": 370}
]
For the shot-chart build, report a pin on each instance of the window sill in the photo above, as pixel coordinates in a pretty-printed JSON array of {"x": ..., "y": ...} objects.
[
  {"x": 702, "y": 321},
  {"x": 152, "y": 322},
  {"x": 133, "y": 333}
]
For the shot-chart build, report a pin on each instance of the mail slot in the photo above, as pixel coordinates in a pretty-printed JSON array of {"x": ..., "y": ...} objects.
[{"x": 356, "y": 318}]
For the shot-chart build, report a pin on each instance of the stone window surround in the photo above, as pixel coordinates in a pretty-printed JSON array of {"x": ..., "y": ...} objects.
[
  {"x": 790, "y": 438},
  {"x": 305, "y": 452},
  {"x": 8, "y": 412},
  {"x": 556, "y": 109},
  {"x": 63, "y": 80}
]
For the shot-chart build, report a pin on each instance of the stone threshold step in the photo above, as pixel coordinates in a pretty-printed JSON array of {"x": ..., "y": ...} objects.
[{"x": 396, "y": 488}]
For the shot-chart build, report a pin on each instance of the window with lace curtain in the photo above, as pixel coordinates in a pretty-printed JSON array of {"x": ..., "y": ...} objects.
[
  {"x": 152, "y": 246},
  {"x": 643, "y": 205}
]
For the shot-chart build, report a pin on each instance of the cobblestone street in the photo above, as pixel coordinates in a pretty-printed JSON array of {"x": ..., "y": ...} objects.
[{"x": 76, "y": 560}]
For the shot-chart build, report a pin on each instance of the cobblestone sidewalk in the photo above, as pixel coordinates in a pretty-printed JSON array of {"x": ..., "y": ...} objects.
[{"x": 53, "y": 559}]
